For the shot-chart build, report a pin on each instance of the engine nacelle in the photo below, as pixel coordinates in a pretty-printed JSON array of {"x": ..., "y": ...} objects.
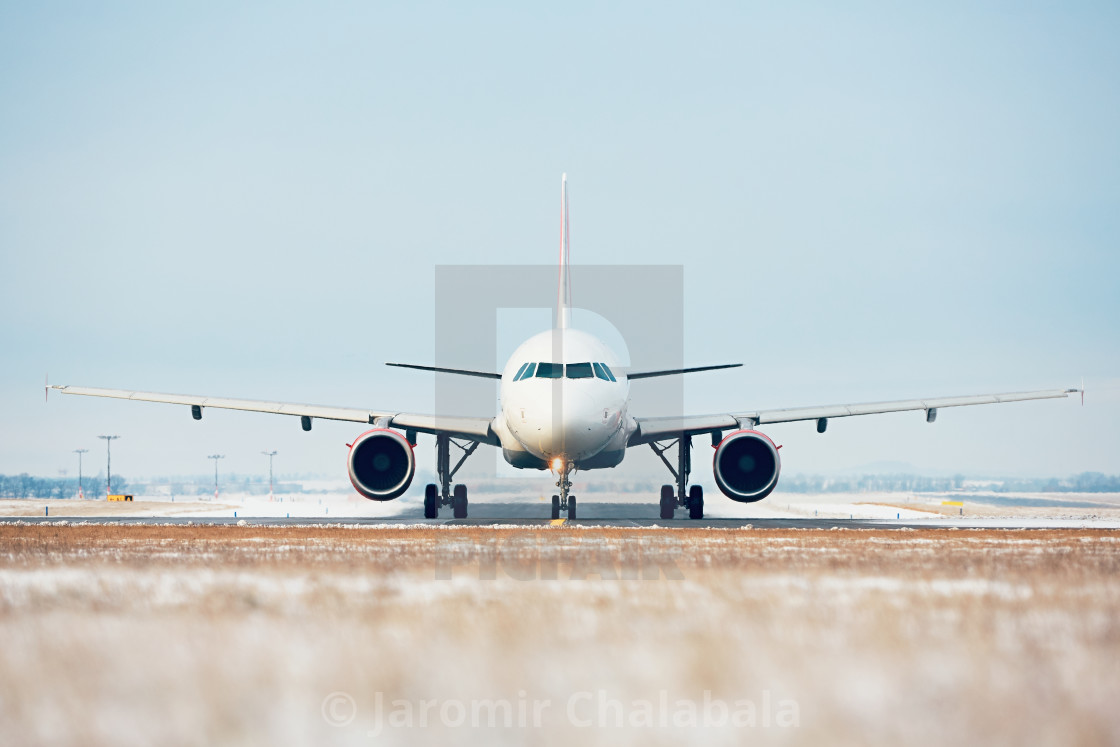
[
  {"x": 746, "y": 466},
  {"x": 381, "y": 464}
]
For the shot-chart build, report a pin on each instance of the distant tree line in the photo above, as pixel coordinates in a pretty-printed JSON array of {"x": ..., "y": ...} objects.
[
  {"x": 204, "y": 485},
  {"x": 1086, "y": 482},
  {"x": 26, "y": 486},
  {"x": 869, "y": 484}
]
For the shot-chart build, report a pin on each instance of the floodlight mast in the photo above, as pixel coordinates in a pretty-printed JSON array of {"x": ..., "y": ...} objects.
[
  {"x": 108, "y": 464},
  {"x": 270, "y": 454},
  {"x": 216, "y": 457},
  {"x": 79, "y": 452}
]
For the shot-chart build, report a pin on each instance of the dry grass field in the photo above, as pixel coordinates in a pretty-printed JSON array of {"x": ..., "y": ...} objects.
[{"x": 139, "y": 635}]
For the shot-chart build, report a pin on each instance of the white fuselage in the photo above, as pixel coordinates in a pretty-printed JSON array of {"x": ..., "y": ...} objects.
[{"x": 569, "y": 409}]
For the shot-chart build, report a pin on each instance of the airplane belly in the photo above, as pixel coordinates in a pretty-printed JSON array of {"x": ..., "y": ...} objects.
[{"x": 611, "y": 455}]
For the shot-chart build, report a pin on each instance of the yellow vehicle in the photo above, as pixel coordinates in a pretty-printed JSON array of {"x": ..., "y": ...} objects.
[{"x": 120, "y": 497}]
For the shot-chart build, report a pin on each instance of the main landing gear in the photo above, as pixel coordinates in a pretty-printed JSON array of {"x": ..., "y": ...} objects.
[
  {"x": 443, "y": 494},
  {"x": 564, "y": 501},
  {"x": 681, "y": 495}
]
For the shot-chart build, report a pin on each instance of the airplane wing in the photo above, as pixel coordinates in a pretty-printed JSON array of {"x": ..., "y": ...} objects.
[
  {"x": 473, "y": 429},
  {"x": 459, "y": 371},
  {"x": 672, "y": 371},
  {"x": 655, "y": 429}
]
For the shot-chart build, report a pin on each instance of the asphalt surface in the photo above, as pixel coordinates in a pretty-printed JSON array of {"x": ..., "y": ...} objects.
[{"x": 535, "y": 514}]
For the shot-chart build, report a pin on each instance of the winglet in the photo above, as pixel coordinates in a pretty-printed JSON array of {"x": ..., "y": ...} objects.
[
  {"x": 46, "y": 387},
  {"x": 1082, "y": 391}
]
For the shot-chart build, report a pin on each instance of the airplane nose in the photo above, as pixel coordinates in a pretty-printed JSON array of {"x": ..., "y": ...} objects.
[{"x": 571, "y": 425}]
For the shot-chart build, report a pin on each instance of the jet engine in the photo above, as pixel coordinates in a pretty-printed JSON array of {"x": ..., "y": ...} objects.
[
  {"x": 381, "y": 464},
  {"x": 746, "y": 466}
]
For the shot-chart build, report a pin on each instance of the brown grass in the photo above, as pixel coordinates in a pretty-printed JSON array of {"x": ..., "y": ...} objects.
[{"x": 196, "y": 634}]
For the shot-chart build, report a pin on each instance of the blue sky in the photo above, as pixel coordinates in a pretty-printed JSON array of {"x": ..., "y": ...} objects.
[{"x": 869, "y": 203}]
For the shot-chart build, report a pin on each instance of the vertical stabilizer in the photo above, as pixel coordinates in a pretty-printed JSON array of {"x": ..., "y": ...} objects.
[{"x": 564, "y": 289}]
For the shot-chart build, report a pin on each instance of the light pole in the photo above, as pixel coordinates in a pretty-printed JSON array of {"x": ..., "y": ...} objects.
[
  {"x": 270, "y": 454},
  {"x": 216, "y": 457},
  {"x": 79, "y": 452},
  {"x": 108, "y": 464}
]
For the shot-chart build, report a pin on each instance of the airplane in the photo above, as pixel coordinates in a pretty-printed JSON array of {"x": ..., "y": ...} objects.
[{"x": 565, "y": 406}]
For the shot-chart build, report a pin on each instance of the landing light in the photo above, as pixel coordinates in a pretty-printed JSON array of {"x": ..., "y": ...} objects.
[{"x": 557, "y": 464}]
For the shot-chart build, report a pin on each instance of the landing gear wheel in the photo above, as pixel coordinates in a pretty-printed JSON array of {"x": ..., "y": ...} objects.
[
  {"x": 431, "y": 502},
  {"x": 696, "y": 502},
  {"x": 555, "y": 507},
  {"x": 459, "y": 501},
  {"x": 668, "y": 502},
  {"x": 571, "y": 508}
]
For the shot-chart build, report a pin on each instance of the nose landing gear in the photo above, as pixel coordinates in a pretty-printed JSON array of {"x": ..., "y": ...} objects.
[
  {"x": 564, "y": 501},
  {"x": 681, "y": 494}
]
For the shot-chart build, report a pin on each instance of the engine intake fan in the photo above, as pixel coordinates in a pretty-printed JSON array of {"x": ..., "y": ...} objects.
[
  {"x": 381, "y": 464},
  {"x": 746, "y": 466}
]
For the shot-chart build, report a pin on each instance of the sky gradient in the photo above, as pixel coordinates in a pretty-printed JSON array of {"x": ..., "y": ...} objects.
[{"x": 877, "y": 203}]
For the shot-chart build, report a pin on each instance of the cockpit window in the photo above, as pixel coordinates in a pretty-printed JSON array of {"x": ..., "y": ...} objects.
[
  {"x": 550, "y": 370},
  {"x": 561, "y": 370},
  {"x": 579, "y": 371},
  {"x": 525, "y": 371}
]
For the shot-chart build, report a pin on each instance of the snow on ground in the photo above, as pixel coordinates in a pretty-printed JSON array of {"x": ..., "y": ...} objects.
[
  {"x": 338, "y": 500},
  {"x": 925, "y": 509}
]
